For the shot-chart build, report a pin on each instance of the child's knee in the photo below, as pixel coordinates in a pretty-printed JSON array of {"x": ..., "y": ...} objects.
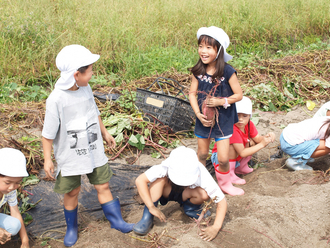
[
  {"x": 14, "y": 227},
  {"x": 202, "y": 156},
  {"x": 102, "y": 187},
  {"x": 74, "y": 192},
  {"x": 204, "y": 196}
]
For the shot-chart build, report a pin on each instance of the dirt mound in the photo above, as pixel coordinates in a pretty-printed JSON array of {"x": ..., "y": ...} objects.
[{"x": 280, "y": 208}]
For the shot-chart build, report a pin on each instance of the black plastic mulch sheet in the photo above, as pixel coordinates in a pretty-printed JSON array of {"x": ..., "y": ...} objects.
[{"x": 48, "y": 215}]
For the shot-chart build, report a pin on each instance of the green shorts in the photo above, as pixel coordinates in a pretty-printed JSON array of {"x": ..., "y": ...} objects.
[{"x": 99, "y": 175}]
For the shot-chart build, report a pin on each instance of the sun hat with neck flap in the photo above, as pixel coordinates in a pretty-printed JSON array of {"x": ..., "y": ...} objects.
[
  {"x": 69, "y": 60},
  {"x": 12, "y": 163},
  {"x": 183, "y": 166},
  {"x": 219, "y": 35}
]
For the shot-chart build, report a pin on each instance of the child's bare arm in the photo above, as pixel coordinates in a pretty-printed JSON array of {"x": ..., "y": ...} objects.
[
  {"x": 211, "y": 232},
  {"x": 142, "y": 186},
  {"x": 193, "y": 95},
  {"x": 237, "y": 96},
  {"x": 249, "y": 151},
  {"x": 14, "y": 212},
  {"x": 48, "y": 163},
  {"x": 236, "y": 88},
  {"x": 194, "y": 103},
  {"x": 106, "y": 136},
  {"x": 258, "y": 139}
]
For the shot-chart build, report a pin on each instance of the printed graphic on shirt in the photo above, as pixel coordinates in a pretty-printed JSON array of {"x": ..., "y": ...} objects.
[{"x": 81, "y": 127}]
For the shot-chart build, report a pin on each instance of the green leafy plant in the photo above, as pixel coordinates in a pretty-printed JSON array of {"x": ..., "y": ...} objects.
[
  {"x": 137, "y": 141},
  {"x": 156, "y": 155},
  {"x": 126, "y": 100}
]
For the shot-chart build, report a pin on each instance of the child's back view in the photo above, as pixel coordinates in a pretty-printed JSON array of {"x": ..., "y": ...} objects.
[{"x": 73, "y": 125}]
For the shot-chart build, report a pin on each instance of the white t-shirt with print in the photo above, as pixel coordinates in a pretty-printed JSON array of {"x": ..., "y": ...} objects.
[
  {"x": 205, "y": 181},
  {"x": 71, "y": 121},
  {"x": 297, "y": 133}
]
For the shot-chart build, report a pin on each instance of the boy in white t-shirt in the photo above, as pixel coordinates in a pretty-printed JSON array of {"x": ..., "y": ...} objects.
[
  {"x": 181, "y": 178},
  {"x": 74, "y": 126},
  {"x": 12, "y": 171}
]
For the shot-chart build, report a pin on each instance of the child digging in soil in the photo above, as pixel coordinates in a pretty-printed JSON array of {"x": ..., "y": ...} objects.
[
  {"x": 73, "y": 125},
  {"x": 305, "y": 141},
  {"x": 12, "y": 171},
  {"x": 244, "y": 142},
  {"x": 181, "y": 178},
  {"x": 217, "y": 87}
]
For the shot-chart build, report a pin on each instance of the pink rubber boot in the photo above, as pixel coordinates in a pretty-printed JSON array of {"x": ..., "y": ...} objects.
[
  {"x": 235, "y": 179},
  {"x": 244, "y": 167},
  {"x": 225, "y": 183}
]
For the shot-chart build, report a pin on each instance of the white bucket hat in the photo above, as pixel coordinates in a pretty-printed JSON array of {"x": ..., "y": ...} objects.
[
  {"x": 12, "y": 163},
  {"x": 219, "y": 35},
  {"x": 183, "y": 166},
  {"x": 69, "y": 60},
  {"x": 244, "y": 106}
]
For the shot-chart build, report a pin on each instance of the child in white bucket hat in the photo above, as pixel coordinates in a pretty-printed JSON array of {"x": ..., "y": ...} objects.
[
  {"x": 74, "y": 126},
  {"x": 181, "y": 178},
  {"x": 12, "y": 171},
  {"x": 244, "y": 142},
  {"x": 213, "y": 92}
]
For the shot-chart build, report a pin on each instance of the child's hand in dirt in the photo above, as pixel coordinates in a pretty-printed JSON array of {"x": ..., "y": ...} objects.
[
  {"x": 109, "y": 139},
  {"x": 159, "y": 214},
  {"x": 209, "y": 233},
  {"x": 266, "y": 140},
  {"x": 271, "y": 135},
  {"x": 4, "y": 236},
  {"x": 49, "y": 168},
  {"x": 25, "y": 245},
  {"x": 204, "y": 121},
  {"x": 214, "y": 102}
]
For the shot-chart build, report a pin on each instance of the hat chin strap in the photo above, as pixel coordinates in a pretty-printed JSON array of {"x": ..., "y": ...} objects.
[{"x": 218, "y": 53}]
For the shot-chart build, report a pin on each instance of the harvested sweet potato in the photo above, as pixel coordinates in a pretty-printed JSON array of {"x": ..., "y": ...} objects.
[{"x": 209, "y": 112}]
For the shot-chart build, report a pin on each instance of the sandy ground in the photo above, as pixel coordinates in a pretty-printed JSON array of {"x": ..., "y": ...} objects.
[{"x": 280, "y": 208}]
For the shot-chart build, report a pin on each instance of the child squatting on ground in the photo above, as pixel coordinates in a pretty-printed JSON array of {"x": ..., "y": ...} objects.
[
  {"x": 73, "y": 125},
  {"x": 305, "y": 141},
  {"x": 323, "y": 111},
  {"x": 12, "y": 171},
  {"x": 244, "y": 142},
  {"x": 181, "y": 178},
  {"x": 216, "y": 82}
]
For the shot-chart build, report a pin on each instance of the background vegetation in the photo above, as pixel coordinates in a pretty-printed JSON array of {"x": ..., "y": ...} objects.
[{"x": 140, "y": 38}]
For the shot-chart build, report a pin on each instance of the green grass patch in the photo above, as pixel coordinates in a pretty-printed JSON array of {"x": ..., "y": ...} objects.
[{"x": 139, "y": 38}]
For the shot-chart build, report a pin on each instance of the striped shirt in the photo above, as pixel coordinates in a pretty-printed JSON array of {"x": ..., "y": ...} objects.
[{"x": 11, "y": 198}]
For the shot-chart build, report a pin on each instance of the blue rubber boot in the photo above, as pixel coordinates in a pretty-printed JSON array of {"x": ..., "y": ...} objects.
[
  {"x": 71, "y": 235},
  {"x": 194, "y": 210},
  {"x": 146, "y": 222},
  {"x": 112, "y": 212}
]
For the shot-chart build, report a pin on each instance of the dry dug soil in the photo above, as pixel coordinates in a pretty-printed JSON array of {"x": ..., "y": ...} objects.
[{"x": 280, "y": 208}]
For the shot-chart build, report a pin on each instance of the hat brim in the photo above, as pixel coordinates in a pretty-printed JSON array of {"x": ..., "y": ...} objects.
[{"x": 182, "y": 180}]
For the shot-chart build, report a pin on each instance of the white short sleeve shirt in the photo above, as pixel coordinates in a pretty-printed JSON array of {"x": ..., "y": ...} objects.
[{"x": 206, "y": 181}]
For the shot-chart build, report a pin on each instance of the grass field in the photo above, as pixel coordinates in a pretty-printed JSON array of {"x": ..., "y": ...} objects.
[{"x": 139, "y": 38}]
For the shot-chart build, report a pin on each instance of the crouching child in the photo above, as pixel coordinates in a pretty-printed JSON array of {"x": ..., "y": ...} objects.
[
  {"x": 181, "y": 178},
  {"x": 12, "y": 171}
]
